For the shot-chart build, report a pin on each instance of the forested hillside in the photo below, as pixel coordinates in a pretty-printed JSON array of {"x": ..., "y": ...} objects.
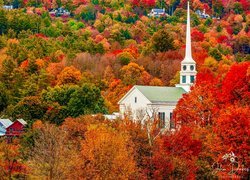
[{"x": 58, "y": 69}]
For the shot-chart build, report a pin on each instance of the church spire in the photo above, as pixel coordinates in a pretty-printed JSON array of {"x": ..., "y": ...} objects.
[
  {"x": 188, "y": 65},
  {"x": 188, "y": 53}
]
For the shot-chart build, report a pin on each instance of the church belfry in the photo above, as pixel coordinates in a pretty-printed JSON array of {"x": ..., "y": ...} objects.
[{"x": 188, "y": 65}]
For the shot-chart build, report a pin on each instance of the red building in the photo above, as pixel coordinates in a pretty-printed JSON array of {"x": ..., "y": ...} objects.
[{"x": 16, "y": 128}]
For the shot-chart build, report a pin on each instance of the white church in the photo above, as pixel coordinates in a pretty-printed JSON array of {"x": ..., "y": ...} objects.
[{"x": 159, "y": 101}]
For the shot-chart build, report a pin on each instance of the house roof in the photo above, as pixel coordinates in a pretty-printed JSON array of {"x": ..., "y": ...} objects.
[
  {"x": 161, "y": 94},
  {"x": 5, "y": 122},
  {"x": 159, "y": 10},
  {"x": 22, "y": 121}
]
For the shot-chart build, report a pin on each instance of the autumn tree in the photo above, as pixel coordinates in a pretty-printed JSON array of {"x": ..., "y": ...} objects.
[
  {"x": 3, "y": 97},
  {"x": 29, "y": 108},
  {"x": 69, "y": 75},
  {"x": 52, "y": 155},
  {"x": 199, "y": 105},
  {"x": 77, "y": 127},
  {"x": 235, "y": 85},
  {"x": 86, "y": 100},
  {"x": 232, "y": 127},
  {"x": 103, "y": 153},
  {"x": 156, "y": 82},
  {"x": 54, "y": 69},
  {"x": 131, "y": 73},
  {"x": 11, "y": 165},
  {"x": 176, "y": 155},
  {"x": 116, "y": 90},
  {"x": 161, "y": 41},
  {"x": 72, "y": 100},
  {"x": 143, "y": 3}
]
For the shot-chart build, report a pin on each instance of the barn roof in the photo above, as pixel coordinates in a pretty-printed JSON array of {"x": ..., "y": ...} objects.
[{"x": 22, "y": 121}]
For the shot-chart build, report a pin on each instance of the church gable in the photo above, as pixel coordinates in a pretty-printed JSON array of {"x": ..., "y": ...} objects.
[{"x": 134, "y": 96}]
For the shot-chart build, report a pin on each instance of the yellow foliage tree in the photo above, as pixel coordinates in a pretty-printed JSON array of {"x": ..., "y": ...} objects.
[
  {"x": 69, "y": 75},
  {"x": 131, "y": 73},
  {"x": 106, "y": 154}
]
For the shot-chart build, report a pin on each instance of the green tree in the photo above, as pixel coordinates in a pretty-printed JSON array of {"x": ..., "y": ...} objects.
[
  {"x": 29, "y": 108},
  {"x": 237, "y": 7},
  {"x": 59, "y": 94},
  {"x": 3, "y": 21},
  {"x": 215, "y": 53},
  {"x": 3, "y": 97},
  {"x": 72, "y": 100},
  {"x": 218, "y": 8},
  {"x": 162, "y": 41},
  {"x": 208, "y": 21},
  {"x": 86, "y": 100}
]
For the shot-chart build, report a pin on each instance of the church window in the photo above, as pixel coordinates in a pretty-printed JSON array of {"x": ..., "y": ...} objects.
[
  {"x": 184, "y": 67},
  {"x": 135, "y": 99},
  {"x": 191, "y": 79},
  {"x": 183, "y": 79},
  {"x": 161, "y": 116},
  {"x": 191, "y": 67},
  {"x": 171, "y": 121}
]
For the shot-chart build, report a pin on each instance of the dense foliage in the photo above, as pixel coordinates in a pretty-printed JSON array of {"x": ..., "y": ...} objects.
[{"x": 56, "y": 71}]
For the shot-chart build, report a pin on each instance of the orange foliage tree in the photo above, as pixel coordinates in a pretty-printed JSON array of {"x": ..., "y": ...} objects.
[
  {"x": 131, "y": 73},
  {"x": 69, "y": 75},
  {"x": 104, "y": 153},
  {"x": 53, "y": 70},
  {"x": 10, "y": 161},
  {"x": 115, "y": 92}
]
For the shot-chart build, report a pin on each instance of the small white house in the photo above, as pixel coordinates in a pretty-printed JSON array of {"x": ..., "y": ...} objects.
[
  {"x": 157, "y": 12},
  {"x": 8, "y": 7},
  {"x": 143, "y": 102},
  {"x": 203, "y": 14}
]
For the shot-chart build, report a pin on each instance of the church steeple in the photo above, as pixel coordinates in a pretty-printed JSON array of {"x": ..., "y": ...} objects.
[
  {"x": 188, "y": 65},
  {"x": 188, "y": 53}
]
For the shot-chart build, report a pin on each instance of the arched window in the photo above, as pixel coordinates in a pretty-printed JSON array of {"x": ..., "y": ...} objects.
[
  {"x": 184, "y": 68},
  {"x": 184, "y": 80},
  {"x": 192, "y": 67},
  {"x": 191, "y": 79}
]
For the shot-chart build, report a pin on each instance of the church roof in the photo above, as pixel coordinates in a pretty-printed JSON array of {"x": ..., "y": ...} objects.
[{"x": 161, "y": 94}]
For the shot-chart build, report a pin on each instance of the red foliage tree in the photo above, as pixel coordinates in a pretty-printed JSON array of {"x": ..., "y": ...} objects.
[
  {"x": 236, "y": 84},
  {"x": 176, "y": 154},
  {"x": 143, "y": 3},
  {"x": 200, "y": 105},
  {"x": 197, "y": 35},
  {"x": 233, "y": 128}
]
